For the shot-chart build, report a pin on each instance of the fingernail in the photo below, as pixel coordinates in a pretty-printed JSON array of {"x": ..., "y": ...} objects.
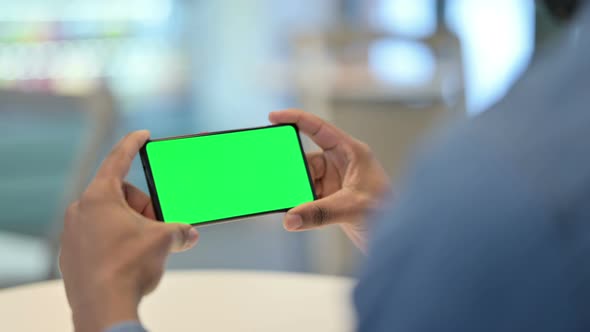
[{"x": 293, "y": 222}]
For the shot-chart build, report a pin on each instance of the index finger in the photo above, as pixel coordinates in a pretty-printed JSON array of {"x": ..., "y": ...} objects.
[
  {"x": 118, "y": 162},
  {"x": 324, "y": 134}
]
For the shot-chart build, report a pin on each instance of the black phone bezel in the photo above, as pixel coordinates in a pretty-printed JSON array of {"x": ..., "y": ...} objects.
[{"x": 154, "y": 193}]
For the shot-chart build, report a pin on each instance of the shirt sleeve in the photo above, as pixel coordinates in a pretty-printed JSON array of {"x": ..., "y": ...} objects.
[{"x": 127, "y": 327}]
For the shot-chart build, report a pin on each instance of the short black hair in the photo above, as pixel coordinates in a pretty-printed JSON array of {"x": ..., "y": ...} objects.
[{"x": 562, "y": 10}]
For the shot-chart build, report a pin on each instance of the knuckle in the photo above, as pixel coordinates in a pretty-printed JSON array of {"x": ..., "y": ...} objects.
[
  {"x": 161, "y": 236},
  {"x": 112, "y": 184},
  {"x": 364, "y": 149},
  {"x": 365, "y": 201},
  {"x": 317, "y": 160},
  {"x": 96, "y": 192},
  {"x": 127, "y": 136},
  {"x": 88, "y": 196},
  {"x": 319, "y": 216},
  {"x": 71, "y": 211},
  {"x": 121, "y": 150}
]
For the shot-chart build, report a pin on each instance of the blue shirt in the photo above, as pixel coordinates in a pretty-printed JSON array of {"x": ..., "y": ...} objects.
[{"x": 492, "y": 229}]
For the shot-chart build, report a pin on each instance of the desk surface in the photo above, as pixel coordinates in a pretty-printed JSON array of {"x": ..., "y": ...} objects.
[{"x": 204, "y": 301}]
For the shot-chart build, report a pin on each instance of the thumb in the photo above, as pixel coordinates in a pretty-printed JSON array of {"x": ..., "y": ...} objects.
[
  {"x": 322, "y": 212},
  {"x": 184, "y": 236}
]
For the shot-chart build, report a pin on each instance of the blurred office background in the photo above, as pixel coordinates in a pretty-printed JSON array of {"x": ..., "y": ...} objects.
[{"x": 76, "y": 75}]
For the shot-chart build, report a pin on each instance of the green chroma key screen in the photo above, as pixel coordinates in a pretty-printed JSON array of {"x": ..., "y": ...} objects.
[{"x": 220, "y": 176}]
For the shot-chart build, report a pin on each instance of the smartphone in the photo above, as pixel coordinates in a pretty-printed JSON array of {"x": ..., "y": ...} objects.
[{"x": 222, "y": 176}]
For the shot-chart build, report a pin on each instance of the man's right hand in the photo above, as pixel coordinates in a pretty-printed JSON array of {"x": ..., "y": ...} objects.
[
  {"x": 348, "y": 180},
  {"x": 113, "y": 251}
]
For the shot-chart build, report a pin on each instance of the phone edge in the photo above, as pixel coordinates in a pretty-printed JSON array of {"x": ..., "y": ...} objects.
[
  {"x": 153, "y": 190},
  {"x": 149, "y": 178}
]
